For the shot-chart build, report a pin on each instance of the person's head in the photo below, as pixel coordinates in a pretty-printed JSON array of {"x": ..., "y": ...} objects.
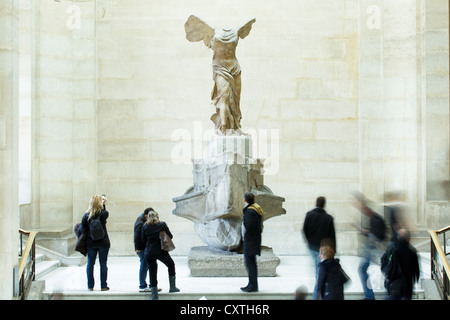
[
  {"x": 146, "y": 211},
  {"x": 95, "y": 206},
  {"x": 321, "y": 202},
  {"x": 153, "y": 217},
  {"x": 249, "y": 198},
  {"x": 301, "y": 293},
  {"x": 403, "y": 235},
  {"x": 326, "y": 252},
  {"x": 362, "y": 204}
]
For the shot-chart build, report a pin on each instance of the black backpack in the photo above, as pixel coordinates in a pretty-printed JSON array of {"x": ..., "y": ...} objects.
[
  {"x": 96, "y": 229},
  {"x": 390, "y": 265}
]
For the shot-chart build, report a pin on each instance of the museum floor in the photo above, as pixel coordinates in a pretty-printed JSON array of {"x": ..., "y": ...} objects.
[{"x": 293, "y": 271}]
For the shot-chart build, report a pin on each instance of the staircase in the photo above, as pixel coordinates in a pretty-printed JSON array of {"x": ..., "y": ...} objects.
[
  {"x": 54, "y": 249},
  {"x": 67, "y": 269},
  {"x": 44, "y": 266},
  {"x": 69, "y": 283},
  {"x": 59, "y": 244}
]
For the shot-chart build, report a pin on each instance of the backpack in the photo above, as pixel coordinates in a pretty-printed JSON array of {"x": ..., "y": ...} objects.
[
  {"x": 390, "y": 265},
  {"x": 96, "y": 229}
]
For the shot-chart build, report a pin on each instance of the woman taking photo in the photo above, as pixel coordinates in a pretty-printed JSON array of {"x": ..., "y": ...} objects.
[
  {"x": 153, "y": 252},
  {"x": 93, "y": 224}
]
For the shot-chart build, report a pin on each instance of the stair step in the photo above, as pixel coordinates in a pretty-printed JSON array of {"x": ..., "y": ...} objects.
[
  {"x": 45, "y": 267},
  {"x": 39, "y": 257}
]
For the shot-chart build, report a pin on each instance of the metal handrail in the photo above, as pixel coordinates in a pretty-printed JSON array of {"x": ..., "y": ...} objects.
[
  {"x": 440, "y": 273},
  {"x": 27, "y": 270}
]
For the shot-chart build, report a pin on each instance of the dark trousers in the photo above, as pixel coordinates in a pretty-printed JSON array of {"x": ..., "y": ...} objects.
[
  {"x": 165, "y": 258},
  {"x": 91, "y": 257},
  {"x": 252, "y": 270}
]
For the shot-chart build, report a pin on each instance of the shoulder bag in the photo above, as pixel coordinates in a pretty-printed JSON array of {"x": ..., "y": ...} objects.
[{"x": 166, "y": 242}]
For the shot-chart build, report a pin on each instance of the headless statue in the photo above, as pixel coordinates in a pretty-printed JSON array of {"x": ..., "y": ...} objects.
[{"x": 226, "y": 93}]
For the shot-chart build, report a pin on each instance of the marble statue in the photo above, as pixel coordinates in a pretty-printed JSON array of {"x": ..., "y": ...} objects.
[
  {"x": 227, "y": 170},
  {"x": 226, "y": 93}
]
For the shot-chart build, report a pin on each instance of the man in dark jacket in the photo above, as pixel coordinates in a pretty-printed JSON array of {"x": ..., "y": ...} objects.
[
  {"x": 318, "y": 228},
  {"x": 401, "y": 288},
  {"x": 252, "y": 224},
  {"x": 139, "y": 247}
]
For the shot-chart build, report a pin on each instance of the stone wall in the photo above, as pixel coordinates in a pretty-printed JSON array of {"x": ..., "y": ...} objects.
[
  {"x": 9, "y": 151},
  {"x": 355, "y": 90}
]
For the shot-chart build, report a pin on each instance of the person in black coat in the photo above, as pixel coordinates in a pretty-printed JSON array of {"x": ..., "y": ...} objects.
[
  {"x": 409, "y": 267},
  {"x": 318, "y": 228},
  {"x": 150, "y": 236},
  {"x": 96, "y": 210},
  {"x": 139, "y": 247},
  {"x": 252, "y": 225},
  {"x": 330, "y": 283}
]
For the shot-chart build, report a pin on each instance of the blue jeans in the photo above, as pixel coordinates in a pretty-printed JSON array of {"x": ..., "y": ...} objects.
[
  {"x": 316, "y": 258},
  {"x": 362, "y": 270},
  {"x": 91, "y": 257},
  {"x": 143, "y": 269}
]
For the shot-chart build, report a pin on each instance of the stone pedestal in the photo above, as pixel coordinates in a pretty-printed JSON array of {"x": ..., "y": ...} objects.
[
  {"x": 212, "y": 262},
  {"x": 216, "y": 200},
  {"x": 215, "y": 204}
]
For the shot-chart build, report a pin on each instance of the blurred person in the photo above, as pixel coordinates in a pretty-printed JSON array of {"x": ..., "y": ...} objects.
[
  {"x": 330, "y": 281},
  {"x": 400, "y": 283},
  {"x": 394, "y": 206},
  {"x": 374, "y": 235},
  {"x": 93, "y": 224},
  {"x": 317, "y": 227},
  {"x": 252, "y": 229},
  {"x": 301, "y": 293},
  {"x": 150, "y": 236}
]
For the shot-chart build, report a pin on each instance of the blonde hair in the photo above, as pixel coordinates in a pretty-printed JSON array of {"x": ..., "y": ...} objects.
[
  {"x": 95, "y": 206},
  {"x": 153, "y": 217},
  {"x": 327, "y": 252}
]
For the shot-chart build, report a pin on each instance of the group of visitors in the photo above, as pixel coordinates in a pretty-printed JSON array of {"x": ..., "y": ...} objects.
[
  {"x": 93, "y": 239},
  {"x": 399, "y": 263}
]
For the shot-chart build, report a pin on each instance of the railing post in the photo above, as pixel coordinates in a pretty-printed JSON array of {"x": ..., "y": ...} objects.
[
  {"x": 445, "y": 285},
  {"x": 445, "y": 246},
  {"x": 432, "y": 258},
  {"x": 33, "y": 257}
]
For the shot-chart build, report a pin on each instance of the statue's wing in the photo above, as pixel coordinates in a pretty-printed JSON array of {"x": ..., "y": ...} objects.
[
  {"x": 245, "y": 29},
  {"x": 197, "y": 29}
]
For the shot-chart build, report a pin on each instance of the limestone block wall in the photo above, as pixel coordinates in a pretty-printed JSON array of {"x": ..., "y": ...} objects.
[
  {"x": 53, "y": 117},
  {"x": 435, "y": 111},
  {"x": 9, "y": 151},
  {"x": 63, "y": 147},
  {"x": 349, "y": 93}
]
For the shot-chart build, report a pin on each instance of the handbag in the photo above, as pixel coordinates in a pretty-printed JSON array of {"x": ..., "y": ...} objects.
[
  {"x": 344, "y": 275},
  {"x": 166, "y": 242},
  {"x": 80, "y": 246}
]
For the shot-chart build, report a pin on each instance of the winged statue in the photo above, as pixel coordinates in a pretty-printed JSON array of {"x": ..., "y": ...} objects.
[{"x": 226, "y": 93}]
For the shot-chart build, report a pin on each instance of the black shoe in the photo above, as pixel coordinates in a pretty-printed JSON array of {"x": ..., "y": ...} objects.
[{"x": 249, "y": 289}]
